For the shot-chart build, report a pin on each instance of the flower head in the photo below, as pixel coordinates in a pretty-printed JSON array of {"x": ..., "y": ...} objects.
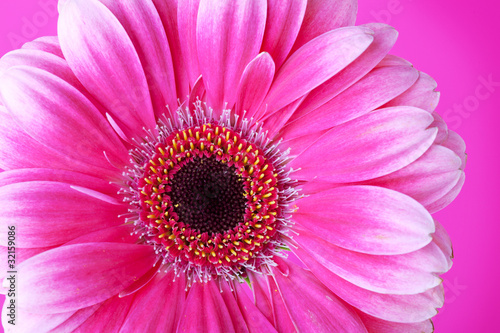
[{"x": 161, "y": 156}]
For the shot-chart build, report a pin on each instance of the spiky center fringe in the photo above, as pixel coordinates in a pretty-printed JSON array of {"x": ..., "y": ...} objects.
[{"x": 189, "y": 138}]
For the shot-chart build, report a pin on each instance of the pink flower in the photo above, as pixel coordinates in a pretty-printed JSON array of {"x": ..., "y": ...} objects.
[{"x": 158, "y": 155}]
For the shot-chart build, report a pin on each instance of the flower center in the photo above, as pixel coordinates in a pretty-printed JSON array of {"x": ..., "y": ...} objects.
[{"x": 212, "y": 198}]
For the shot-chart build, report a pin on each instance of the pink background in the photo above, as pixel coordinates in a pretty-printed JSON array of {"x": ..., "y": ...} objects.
[{"x": 457, "y": 44}]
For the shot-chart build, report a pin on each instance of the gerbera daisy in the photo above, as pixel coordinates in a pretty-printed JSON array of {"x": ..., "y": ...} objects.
[{"x": 161, "y": 156}]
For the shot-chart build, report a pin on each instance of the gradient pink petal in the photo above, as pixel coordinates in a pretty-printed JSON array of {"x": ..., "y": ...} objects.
[
  {"x": 370, "y": 146},
  {"x": 104, "y": 59},
  {"x": 228, "y": 35},
  {"x": 284, "y": 19},
  {"x": 81, "y": 275},
  {"x": 366, "y": 219},
  {"x": 311, "y": 306},
  {"x": 158, "y": 306},
  {"x": 52, "y": 213},
  {"x": 205, "y": 310},
  {"x": 315, "y": 63},
  {"x": 145, "y": 29}
]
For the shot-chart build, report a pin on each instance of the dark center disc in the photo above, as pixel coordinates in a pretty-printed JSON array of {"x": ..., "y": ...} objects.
[{"x": 208, "y": 195}]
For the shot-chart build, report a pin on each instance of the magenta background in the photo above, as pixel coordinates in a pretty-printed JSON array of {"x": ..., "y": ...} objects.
[{"x": 456, "y": 43}]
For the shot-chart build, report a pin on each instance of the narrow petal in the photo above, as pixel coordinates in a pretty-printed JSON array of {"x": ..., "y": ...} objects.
[
  {"x": 442, "y": 239},
  {"x": 396, "y": 308},
  {"x": 282, "y": 318},
  {"x": 53, "y": 323},
  {"x": 368, "y": 94},
  {"x": 229, "y": 35},
  {"x": 324, "y": 16},
  {"x": 405, "y": 274},
  {"x": 255, "y": 320},
  {"x": 384, "y": 38},
  {"x": 168, "y": 14},
  {"x": 284, "y": 19},
  {"x": 62, "y": 176},
  {"x": 36, "y": 98},
  {"x": 104, "y": 59},
  {"x": 376, "y": 325},
  {"x": 366, "y": 219},
  {"x": 314, "y": 63},
  {"x": 77, "y": 276},
  {"x": 52, "y": 213},
  {"x": 145, "y": 29},
  {"x": 312, "y": 307},
  {"x": 260, "y": 289},
  {"x": 370, "y": 146},
  {"x": 205, "y": 310},
  {"x": 117, "y": 234},
  {"x": 239, "y": 322},
  {"x": 187, "y": 14},
  {"x": 15, "y": 140},
  {"x": 254, "y": 85},
  {"x": 157, "y": 307},
  {"x": 457, "y": 144},
  {"x": 448, "y": 197},
  {"x": 109, "y": 317},
  {"x": 427, "y": 179},
  {"x": 422, "y": 94},
  {"x": 274, "y": 123},
  {"x": 49, "y": 44},
  {"x": 198, "y": 92}
]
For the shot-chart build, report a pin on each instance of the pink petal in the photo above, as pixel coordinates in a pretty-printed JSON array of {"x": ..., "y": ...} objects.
[
  {"x": 440, "y": 124},
  {"x": 145, "y": 29},
  {"x": 448, "y": 197},
  {"x": 187, "y": 14},
  {"x": 427, "y": 179},
  {"x": 397, "y": 308},
  {"x": 197, "y": 93},
  {"x": 254, "y": 85},
  {"x": 457, "y": 144},
  {"x": 104, "y": 59},
  {"x": 109, "y": 317},
  {"x": 49, "y": 44},
  {"x": 284, "y": 19},
  {"x": 260, "y": 289},
  {"x": 315, "y": 63},
  {"x": 77, "y": 276},
  {"x": 324, "y": 16},
  {"x": 36, "y": 98},
  {"x": 15, "y": 140},
  {"x": 282, "y": 318},
  {"x": 118, "y": 234},
  {"x": 158, "y": 306},
  {"x": 368, "y": 94},
  {"x": 63, "y": 176},
  {"x": 410, "y": 273},
  {"x": 205, "y": 310},
  {"x": 377, "y": 325},
  {"x": 52, "y": 213},
  {"x": 370, "y": 146},
  {"x": 53, "y": 323},
  {"x": 21, "y": 254},
  {"x": 255, "y": 320},
  {"x": 229, "y": 35},
  {"x": 392, "y": 60},
  {"x": 422, "y": 94},
  {"x": 383, "y": 40},
  {"x": 442, "y": 239},
  {"x": 233, "y": 309},
  {"x": 312, "y": 307},
  {"x": 168, "y": 14},
  {"x": 366, "y": 219},
  {"x": 274, "y": 123}
]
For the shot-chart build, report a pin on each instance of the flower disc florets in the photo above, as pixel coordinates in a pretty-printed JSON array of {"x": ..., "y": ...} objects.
[{"x": 211, "y": 196}]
